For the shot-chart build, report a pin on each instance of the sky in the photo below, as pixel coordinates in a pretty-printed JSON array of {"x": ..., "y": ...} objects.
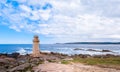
[{"x": 59, "y": 21}]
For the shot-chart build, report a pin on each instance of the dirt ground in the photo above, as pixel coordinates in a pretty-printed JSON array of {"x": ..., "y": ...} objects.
[{"x": 57, "y": 67}]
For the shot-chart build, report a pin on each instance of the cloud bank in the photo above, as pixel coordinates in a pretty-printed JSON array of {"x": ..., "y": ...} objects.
[{"x": 64, "y": 20}]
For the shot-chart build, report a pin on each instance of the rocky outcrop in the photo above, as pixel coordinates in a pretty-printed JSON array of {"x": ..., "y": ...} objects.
[
  {"x": 78, "y": 49},
  {"x": 17, "y": 63},
  {"x": 23, "y": 63},
  {"x": 106, "y": 51},
  {"x": 93, "y": 50},
  {"x": 21, "y": 68}
]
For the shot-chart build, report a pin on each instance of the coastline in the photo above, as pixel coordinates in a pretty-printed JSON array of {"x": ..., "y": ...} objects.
[
  {"x": 16, "y": 62},
  {"x": 63, "y": 48}
]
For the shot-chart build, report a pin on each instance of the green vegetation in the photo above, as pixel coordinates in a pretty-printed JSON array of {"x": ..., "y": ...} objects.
[
  {"x": 97, "y": 61},
  {"x": 65, "y": 62},
  {"x": 113, "y": 62},
  {"x": 40, "y": 62},
  {"x": 27, "y": 69},
  {"x": 51, "y": 61}
]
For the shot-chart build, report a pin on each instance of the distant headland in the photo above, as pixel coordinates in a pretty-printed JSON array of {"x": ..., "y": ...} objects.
[{"x": 90, "y": 43}]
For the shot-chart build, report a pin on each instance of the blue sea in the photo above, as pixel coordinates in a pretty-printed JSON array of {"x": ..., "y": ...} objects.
[{"x": 61, "y": 48}]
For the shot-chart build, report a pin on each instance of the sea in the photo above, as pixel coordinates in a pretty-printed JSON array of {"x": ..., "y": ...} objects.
[{"x": 70, "y": 49}]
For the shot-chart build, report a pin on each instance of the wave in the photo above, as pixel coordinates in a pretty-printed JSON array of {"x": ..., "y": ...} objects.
[
  {"x": 23, "y": 51},
  {"x": 28, "y": 48},
  {"x": 46, "y": 51},
  {"x": 70, "y": 51}
]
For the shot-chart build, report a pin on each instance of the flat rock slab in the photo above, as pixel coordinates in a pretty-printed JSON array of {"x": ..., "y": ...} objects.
[{"x": 55, "y": 67}]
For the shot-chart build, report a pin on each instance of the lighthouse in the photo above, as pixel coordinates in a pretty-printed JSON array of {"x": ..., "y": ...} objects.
[{"x": 36, "y": 51}]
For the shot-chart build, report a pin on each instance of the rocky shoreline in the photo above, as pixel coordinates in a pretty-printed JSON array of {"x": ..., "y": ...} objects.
[
  {"x": 24, "y": 63},
  {"x": 93, "y": 50}
]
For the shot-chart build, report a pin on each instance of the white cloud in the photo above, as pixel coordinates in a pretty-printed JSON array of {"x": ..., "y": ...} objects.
[
  {"x": 21, "y": 1},
  {"x": 15, "y": 28},
  {"x": 35, "y": 15},
  {"x": 115, "y": 36},
  {"x": 25, "y": 8},
  {"x": 73, "y": 20},
  {"x": 45, "y": 14}
]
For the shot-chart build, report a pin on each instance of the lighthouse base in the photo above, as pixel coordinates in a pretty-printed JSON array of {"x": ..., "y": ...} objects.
[{"x": 36, "y": 54}]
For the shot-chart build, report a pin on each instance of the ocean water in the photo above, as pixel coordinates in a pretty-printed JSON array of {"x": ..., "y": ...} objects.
[{"x": 61, "y": 48}]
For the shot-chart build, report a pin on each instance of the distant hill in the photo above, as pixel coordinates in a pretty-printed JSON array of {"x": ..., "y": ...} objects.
[{"x": 93, "y": 43}]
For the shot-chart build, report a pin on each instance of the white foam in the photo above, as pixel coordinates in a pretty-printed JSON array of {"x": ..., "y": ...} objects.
[
  {"x": 22, "y": 51},
  {"x": 46, "y": 51},
  {"x": 28, "y": 48}
]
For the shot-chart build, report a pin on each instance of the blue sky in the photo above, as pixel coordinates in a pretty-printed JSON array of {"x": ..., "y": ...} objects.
[{"x": 59, "y": 21}]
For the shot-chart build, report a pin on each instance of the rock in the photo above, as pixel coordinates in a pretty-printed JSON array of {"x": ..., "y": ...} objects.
[
  {"x": 3, "y": 61},
  {"x": 33, "y": 65},
  {"x": 110, "y": 55},
  {"x": 3, "y": 70},
  {"x": 20, "y": 67},
  {"x": 28, "y": 71},
  {"x": 3, "y": 54},
  {"x": 81, "y": 56},
  {"x": 99, "y": 50},
  {"x": 104, "y": 56},
  {"x": 98, "y": 56},
  {"x": 78, "y": 49},
  {"x": 106, "y": 51},
  {"x": 34, "y": 60},
  {"x": 13, "y": 55},
  {"x": 92, "y": 50},
  {"x": 10, "y": 59}
]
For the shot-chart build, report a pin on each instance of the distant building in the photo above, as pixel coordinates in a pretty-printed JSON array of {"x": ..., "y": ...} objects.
[{"x": 36, "y": 51}]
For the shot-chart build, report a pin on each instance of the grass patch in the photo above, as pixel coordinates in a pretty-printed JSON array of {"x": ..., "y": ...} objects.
[
  {"x": 53, "y": 61},
  {"x": 94, "y": 61},
  {"x": 65, "y": 62},
  {"x": 113, "y": 62}
]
